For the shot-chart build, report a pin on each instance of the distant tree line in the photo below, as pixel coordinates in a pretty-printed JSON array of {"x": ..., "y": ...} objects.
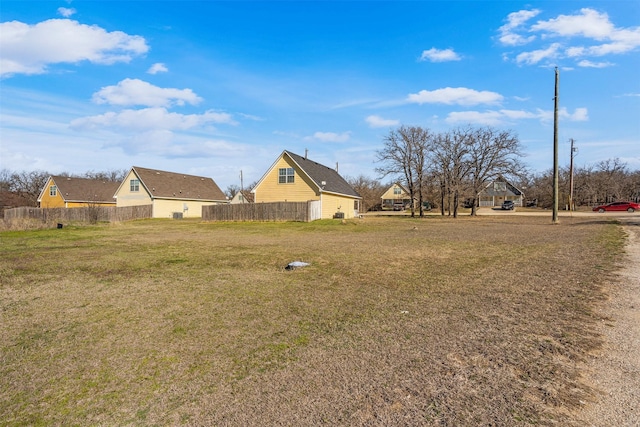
[
  {"x": 451, "y": 168},
  {"x": 603, "y": 182},
  {"x": 446, "y": 169}
]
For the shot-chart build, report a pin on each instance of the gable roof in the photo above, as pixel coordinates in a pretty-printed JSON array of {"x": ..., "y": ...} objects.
[
  {"x": 248, "y": 195},
  {"x": 171, "y": 185},
  {"x": 396, "y": 184},
  {"x": 73, "y": 189},
  {"x": 490, "y": 190},
  {"x": 327, "y": 179}
]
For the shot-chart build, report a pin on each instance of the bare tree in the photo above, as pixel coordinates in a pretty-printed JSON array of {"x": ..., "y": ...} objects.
[
  {"x": 29, "y": 184},
  {"x": 232, "y": 190},
  {"x": 491, "y": 153},
  {"x": 116, "y": 175},
  {"x": 404, "y": 155},
  {"x": 450, "y": 153},
  {"x": 5, "y": 180},
  {"x": 369, "y": 189}
]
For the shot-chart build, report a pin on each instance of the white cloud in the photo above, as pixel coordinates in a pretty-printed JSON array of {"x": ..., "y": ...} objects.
[
  {"x": 455, "y": 95},
  {"x": 589, "y": 64},
  {"x": 156, "y": 68},
  {"x": 30, "y": 49},
  {"x": 330, "y": 136},
  {"x": 167, "y": 144},
  {"x": 378, "y": 122},
  {"x": 150, "y": 119},
  {"x": 514, "y": 21},
  {"x": 589, "y": 23},
  {"x": 66, "y": 12},
  {"x": 137, "y": 92},
  {"x": 536, "y": 56},
  {"x": 579, "y": 114},
  {"x": 438, "y": 55},
  {"x": 597, "y": 36},
  {"x": 501, "y": 117},
  {"x": 488, "y": 118}
]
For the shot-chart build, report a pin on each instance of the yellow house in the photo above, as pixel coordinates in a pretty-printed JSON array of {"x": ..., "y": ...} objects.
[
  {"x": 71, "y": 192},
  {"x": 293, "y": 178},
  {"x": 396, "y": 196},
  {"x": 172, "y": 195}
]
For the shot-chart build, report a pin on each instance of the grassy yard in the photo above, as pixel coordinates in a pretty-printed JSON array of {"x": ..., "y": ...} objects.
[{"x": 397, "y": 321}]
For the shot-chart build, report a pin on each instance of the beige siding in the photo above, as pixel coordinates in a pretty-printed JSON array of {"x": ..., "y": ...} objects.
[
  {"x": 331, "y": 204},
  {"x": 301, "y": 190},
  {"x": 390, "y": 195},
  {"x": 125, "y": 197},
  {"x": 164, "y": 208}
]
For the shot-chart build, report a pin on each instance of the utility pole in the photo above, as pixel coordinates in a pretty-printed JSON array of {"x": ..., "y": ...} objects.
[
  {"x": 573, "y": 150},
  {"x": 555, "y": 150}
]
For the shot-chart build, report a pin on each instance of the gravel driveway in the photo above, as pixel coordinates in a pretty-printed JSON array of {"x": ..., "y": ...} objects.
[{"x": 615, "y": 371}]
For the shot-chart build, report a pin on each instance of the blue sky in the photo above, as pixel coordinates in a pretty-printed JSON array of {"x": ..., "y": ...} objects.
[{"x": 212, "y": 88}]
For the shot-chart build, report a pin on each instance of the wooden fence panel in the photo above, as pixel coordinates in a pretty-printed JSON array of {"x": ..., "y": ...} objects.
[
  {"x": 272, "y": 211},
  {"x": 87, "y": 214}
]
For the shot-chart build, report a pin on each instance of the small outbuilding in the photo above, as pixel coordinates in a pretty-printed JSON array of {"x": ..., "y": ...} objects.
[{"x": 242, "y": 197}]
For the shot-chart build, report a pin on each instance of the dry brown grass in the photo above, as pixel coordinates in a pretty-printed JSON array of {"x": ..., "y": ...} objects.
[{"x": 474, "y": 321}]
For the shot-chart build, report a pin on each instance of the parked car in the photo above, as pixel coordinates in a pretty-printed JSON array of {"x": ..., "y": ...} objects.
[
  {"x": 618, "y": 207},
  {"x": 508, "y": 205},
  {"x": 398, "y": 207}
]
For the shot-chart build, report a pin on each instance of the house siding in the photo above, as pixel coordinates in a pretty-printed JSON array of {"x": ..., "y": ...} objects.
[
  {"x": 331, "y": 204},
  {"x": 163, "y": 208},
  {"x": 389, "y": 198},
  {"x": 125, "y": 197},
  {"x": 48, "y": 201},
  {"x": 301, "y": 190},
  {"x": 86, "y": 204}
]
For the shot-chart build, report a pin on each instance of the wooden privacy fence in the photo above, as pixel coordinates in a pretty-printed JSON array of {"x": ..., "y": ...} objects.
[
  {"x": 87, "y": 214},
  {"x": 272, "y": 211}
]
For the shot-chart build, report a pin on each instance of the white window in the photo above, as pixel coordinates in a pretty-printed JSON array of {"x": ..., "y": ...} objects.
[
  {"x": 53, "y": 191},
  {"x": 500, "y": 186},
  {"x": 286, "y": 176},
  {"x": 134, "y": 185}
]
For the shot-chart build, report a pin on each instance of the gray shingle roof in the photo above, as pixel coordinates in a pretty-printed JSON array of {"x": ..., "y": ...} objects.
[
  {"x": 510, "y": 189},
  {"x": 173, "y": 185},
  {"x": 318, "y": 173},
  {"x": 85, "y": 190}
]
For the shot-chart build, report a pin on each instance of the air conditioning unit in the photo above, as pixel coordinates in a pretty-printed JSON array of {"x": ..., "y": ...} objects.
[{"x": 177, "y": 215}]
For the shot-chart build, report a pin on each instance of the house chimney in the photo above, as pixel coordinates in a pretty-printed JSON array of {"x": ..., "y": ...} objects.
[
  {"x": 306, "y": 153},
  {"x": 337, "y": 167}
]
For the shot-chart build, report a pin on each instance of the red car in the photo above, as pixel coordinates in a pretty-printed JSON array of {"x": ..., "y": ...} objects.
[{"x": 618, "y": 207}]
